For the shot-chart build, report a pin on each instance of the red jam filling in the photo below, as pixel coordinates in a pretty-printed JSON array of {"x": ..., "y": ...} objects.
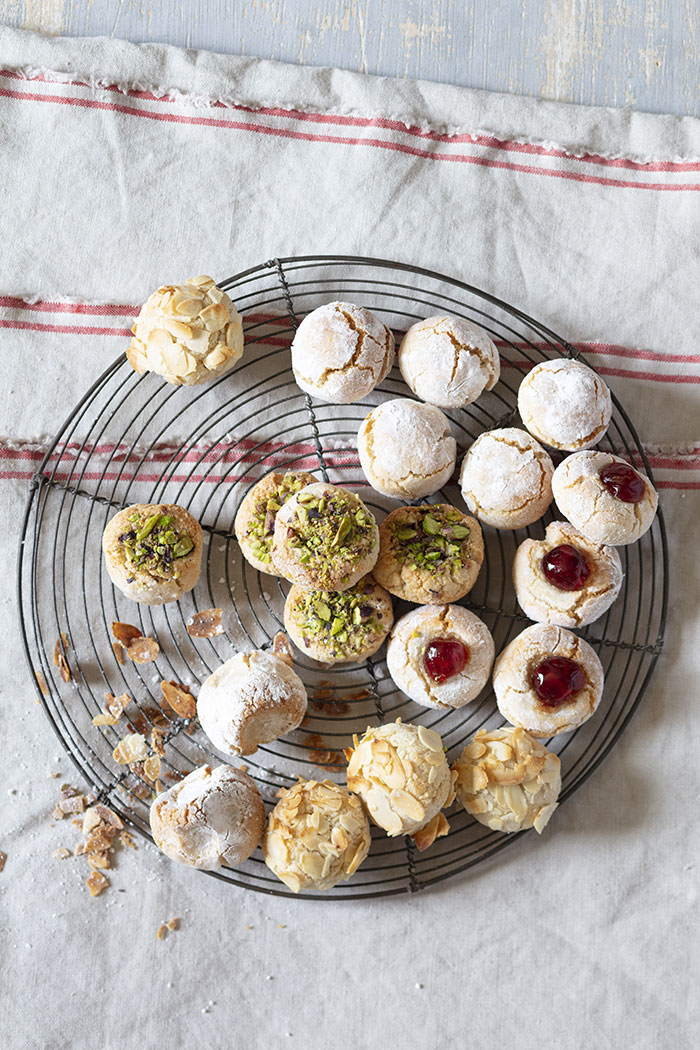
[
  {"x": 623, "y": 482},
  {"x": 556, "y": 679},
  {"x": 565, "y": 568},
  {"x": 444, "y": 658}
]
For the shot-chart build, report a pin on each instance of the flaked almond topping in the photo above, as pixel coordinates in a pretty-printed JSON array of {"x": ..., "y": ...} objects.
[
  {"x": 131, "y": 749},
  {"x": 42, "y": 683},
  {"x": 143, "y": 650},
  {"x": 62, "y": 853},
  {"x": 434, "y": 829},
  {"x": 99, "y": 860},
  {"x": 127, "y": 839},
  {"x": 151, "y": 768},
  {"x": 97, "y": 883},
  {"x": 205, "y": 624},
  {"x": 59, "y": 657},
  {"x": 179, "y": 698},
  {"x": 282, "y": 648},
  {"x": 125, "y": 633},
  {"x": 118, "y": 650}
]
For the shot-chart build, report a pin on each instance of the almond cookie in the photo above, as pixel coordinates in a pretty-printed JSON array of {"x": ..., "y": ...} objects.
[
  {"x": 440, "y": 655},
  {"x": 317, "y": 836},
  {"x": 340, "y": 352},
  {"x": 335, "y": 627},
  {"x": 448, "y": 361},
  {"x": 187, "y": 333},
  {"x": 506, "y": 478},
  {"x": 604, "y": 497},
  {"x": 212, "y": 817},
  {"x": 153, "y": 552},
  {"x": 401, "y": 774},
  {"x": 566, "y": 579},
  {"x": 251, "y": 699},
  {"x": 325, "y": 538},
  {"x": 429, "y": 554},
  {"x": 406, "y": 448},
  {"x": 565, "y": 404},
  {"x": 255, "y": 520},
  {"x": 547, "y": 680},
  {"x": 508, "y": 780}
]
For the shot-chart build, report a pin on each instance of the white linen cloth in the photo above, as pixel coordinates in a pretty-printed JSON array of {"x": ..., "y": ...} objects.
[{"x": 123, "y": 167}]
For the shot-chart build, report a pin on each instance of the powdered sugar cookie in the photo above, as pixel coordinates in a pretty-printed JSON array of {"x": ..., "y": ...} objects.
[
  {"x": 255, "y": 521},
  {"x": 604, "y": 497},
  {"x": 566, "y": 579},
  {"x": 547, "y": 680},
  {"x": 506, "y": 478},
  {"x": 337, "y": 627},
  {"x": 440, "y": 655},
  {"x": 340, "y": 352},
  {"x": 565, "y": 404},
  {"x": 448, "y": 361},
  {"x": 406, "y": 448}
]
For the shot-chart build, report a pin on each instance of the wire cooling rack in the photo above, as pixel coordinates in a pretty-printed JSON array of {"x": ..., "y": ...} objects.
[{"x": 136, "y": 439}]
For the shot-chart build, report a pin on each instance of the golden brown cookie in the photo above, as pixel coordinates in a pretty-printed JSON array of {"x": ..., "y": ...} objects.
[
  {"x": 255, "y": 520},
  {"x": 335, "y": 627}
]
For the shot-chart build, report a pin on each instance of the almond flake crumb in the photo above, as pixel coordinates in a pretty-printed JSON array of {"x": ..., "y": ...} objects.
[
  {"x": 205, "y": 624},
  {"x": 62, "y": 853},
  {"x": 132, "y": 748},
  {"x": 42, "y": 683},
  {"x": 162, "y": 932},
  {"x": 97, "y": 883},
  {"x": 3, "y": 858},
  {"x": 55, "y": 776},
  {"x": 125, "y": 633},
  {"x": 174, "y": 924},
  {"x": 127, "y": 839},
  {"x": 143, "y": 650},
  {"x": 59, "y": 657},
  {"x": 157, "y": 741},
  {"x": 179, "y": 698}
]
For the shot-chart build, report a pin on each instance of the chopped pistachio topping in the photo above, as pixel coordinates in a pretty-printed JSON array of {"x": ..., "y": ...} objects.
[
  {"x": 329, "y": 532},
  {"x": 153, "y": 544},
  {"x": 262, "y": 521},
  {"x": 437, "y": 541},
  {"x": 343, "y": 623}
]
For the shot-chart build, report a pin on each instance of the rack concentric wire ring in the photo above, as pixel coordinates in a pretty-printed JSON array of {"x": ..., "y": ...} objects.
[{"x": 135, "y": 439}]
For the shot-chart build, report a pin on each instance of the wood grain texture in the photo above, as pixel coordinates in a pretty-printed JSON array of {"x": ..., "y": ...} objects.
[{"x": 644, "y": 54}]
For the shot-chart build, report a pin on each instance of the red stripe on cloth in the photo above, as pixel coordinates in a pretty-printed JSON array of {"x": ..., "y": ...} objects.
[
  {"x": 654, "y": 377},
  {"x": 90, "y": 309},
  {"x": 339, "y": 140},
  {"x": 65, "y": 329},
  {"x": 340, "y": 120}
]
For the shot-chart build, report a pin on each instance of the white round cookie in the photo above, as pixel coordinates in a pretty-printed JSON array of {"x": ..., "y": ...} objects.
[
  {"x": 251, "y": 699},
  {"x": 211, "y": 817},
  {"x": 543, "y": 601},
  {"x": 448, "y": 361},
  {"x": 411, "y": 637},
  {"x": 506, "y": 478},
  {"x": 340, "y": 352},
  {"x": 565, "y": 404},
  {"x": 406, "y": 448},
  {"x": 585, "y": 501},
  {"x": 517, "y": 700}
]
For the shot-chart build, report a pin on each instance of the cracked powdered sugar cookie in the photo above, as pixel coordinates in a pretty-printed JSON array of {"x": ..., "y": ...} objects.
[
  {"x": 604, "y": 497},
  {"x": 406, "y": 448},
  {"x": 566, "y": 579},
  {"x": 448, "y": 361},
  {"x": 255, "y": 520},
  {"x": 508, "y": 780},
  {"x": 506, "y": 478},
  {"x": 251, "y": 699},
  {"x": 317, "y": 836},
  {"x": 340, "y": 352},
  {"x": 547, "y": 680},
  {"x": 440, "y": 655},
  {"x": 325, "y": 538},
  {"x": 429, "y": 554},
  {"x": 334, "y": 627},
  {"x": 565, "y": 404},
  {"x": 153, "y": 552},
  {"x": 401, "y": 774},
  {"x": 212, "y": 817},
  {"x": 187, "y": 333}
]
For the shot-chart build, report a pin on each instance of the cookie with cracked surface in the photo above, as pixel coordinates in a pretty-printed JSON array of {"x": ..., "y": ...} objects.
[
  {"x": 448, "y": 361},
  {"x": 547, "y": 680},
  {"x": 325, "y": 538},
  {"x": 440, "y": 655},
  {"x": 566, "y": 579},
  {"x": 508, "y": 780},
  {"x": 187, "y": 333},
  {"x": 251, "y": 699},
  {"x": 334, "y": 627},
  {"x": 340, "y": 352},
  {"x": 429, "y": 554},
  {"x": 506, "y": 478},
  {"x": 401, "y": 774},
  {"x": 213, "y": 816},
  {"x": 406, "y": 448},
  {"x": 255, "y": 519},
  {"x": 565, "y": 404},
  {"x": 604, "y": 497},
  {"x": 317, "y": 836},
  {"x": 153, "y": 552}
]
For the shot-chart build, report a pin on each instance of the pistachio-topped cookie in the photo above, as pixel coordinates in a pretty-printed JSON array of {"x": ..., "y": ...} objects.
[
  {"x": 255, "y": 521},
  {"x": 325, "y": 538},
  {"x": 335, "y": 627},
  {"x": 429, "y": 554},
  {"x": 153, "y": 552}
]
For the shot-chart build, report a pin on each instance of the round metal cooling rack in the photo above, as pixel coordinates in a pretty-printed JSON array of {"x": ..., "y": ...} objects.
[{"x": 136, "y": 439}]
